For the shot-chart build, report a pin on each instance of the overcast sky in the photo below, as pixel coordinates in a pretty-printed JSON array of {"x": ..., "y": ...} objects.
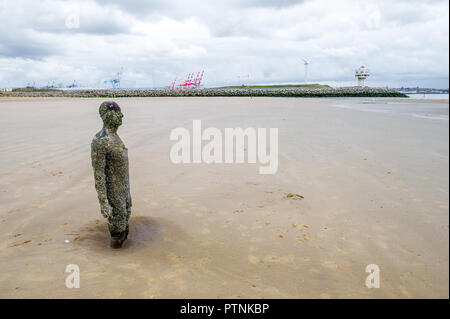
[{"x": 235, "y": 42}]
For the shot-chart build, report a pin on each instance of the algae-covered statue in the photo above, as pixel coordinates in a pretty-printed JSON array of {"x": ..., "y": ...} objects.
[{"x": 110, "y": 162}]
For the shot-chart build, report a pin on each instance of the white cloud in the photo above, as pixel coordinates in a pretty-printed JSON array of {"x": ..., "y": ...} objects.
[{"x": 402, "y": 42}]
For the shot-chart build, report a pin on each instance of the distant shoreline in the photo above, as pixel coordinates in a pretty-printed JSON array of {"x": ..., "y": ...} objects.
[{"x": 225, "y": 92}]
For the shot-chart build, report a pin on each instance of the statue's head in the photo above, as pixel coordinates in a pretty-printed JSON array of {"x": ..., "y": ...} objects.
[{"x": 111, "y": 114}]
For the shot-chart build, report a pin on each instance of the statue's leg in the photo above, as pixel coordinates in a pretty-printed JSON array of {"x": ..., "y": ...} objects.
[
  {"x": 128, "y": 207},
  {"x": 117, "y": 225},
  {"x": 128, "y": 222}
]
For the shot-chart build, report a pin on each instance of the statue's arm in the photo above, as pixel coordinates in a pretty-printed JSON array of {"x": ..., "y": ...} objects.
[
  {"x": 128, "y": 201},
  {"x": 98, "y": 157}
]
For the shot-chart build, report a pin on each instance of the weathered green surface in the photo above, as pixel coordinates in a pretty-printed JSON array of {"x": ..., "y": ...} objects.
[{"x": 110, "y": 162}]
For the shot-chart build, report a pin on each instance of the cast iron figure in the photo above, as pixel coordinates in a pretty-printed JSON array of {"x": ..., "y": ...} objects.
[{"x": 110, "y": 162}]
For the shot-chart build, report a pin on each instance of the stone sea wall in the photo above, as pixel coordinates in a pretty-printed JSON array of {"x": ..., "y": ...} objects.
[{"x": 275, "y": 92}]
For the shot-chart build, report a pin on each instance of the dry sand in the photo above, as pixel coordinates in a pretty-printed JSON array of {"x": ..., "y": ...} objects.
[{"x": 373, "y": 173}]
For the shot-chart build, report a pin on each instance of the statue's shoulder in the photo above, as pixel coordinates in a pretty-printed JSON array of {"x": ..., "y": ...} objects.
[
  {"x": 100, "y": 140},
  {"x": 100, "y": 135}
]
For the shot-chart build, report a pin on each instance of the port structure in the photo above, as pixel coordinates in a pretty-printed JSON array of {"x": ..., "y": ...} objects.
[
  {"x": 49, "y": 85},
  {"x": 115, "y": 82},
  {"x": 172, "y": 85},
  {"x": 191, "y": 82},
  {"x": 73, "y": 85}
]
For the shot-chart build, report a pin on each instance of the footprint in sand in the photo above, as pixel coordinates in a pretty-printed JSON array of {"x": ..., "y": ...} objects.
[
  {"x": 279, "y": 259},
  {"x": 305, "y": 237},
  {"x": 22, "y": 243},
  {"x": 58, "y": 174},
  {"x": 294, "y": 196},
  {"x": 300, "y": 227}
]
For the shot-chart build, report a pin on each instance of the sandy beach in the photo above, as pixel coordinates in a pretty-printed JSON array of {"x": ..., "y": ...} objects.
[{"x": 373, "y": 174}]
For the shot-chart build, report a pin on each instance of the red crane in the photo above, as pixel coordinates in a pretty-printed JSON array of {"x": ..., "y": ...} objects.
[
  {"x": 172, "y": 85},
  {"x": 199, "y": 79},
  {"x": 190, "y": 81}
]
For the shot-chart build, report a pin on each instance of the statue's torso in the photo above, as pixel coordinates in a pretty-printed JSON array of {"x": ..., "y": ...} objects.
[{"x": 116, "y": 168}]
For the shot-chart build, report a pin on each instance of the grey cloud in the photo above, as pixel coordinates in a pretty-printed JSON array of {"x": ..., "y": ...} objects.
[
  {"x": 142, "y": 7},
  {"x": 52, "y": 16},
  {"x": 185, "y": 9},
  {"x": 224, "y": 18},
  {"x": 35, "y": 31},
  {"x": 25, "y": 48},
  {"x": 102, "y": 25},
  {"x": 272, "y": 3}
]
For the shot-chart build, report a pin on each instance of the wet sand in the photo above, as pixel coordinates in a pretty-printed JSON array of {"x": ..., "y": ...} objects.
[{"x": 373, "y": 173}]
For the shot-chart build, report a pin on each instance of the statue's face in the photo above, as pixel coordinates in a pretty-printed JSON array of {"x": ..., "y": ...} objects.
[{"x": 113, "y": 118}]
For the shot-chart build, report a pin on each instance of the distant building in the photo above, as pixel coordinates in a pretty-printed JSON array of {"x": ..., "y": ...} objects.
[
  {"x": 361, "y": 74},
  {"x": 6, "y": 89}
]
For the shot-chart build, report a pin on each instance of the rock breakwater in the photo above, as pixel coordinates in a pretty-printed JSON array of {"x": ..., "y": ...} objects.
[{"x": 282, "y": 92}]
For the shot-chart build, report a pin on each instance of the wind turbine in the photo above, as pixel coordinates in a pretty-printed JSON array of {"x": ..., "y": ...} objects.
[{"x": 306, "y": 63}]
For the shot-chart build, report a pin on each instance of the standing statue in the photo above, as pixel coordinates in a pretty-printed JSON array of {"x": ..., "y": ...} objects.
[{"x": 110, "y": 162}]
